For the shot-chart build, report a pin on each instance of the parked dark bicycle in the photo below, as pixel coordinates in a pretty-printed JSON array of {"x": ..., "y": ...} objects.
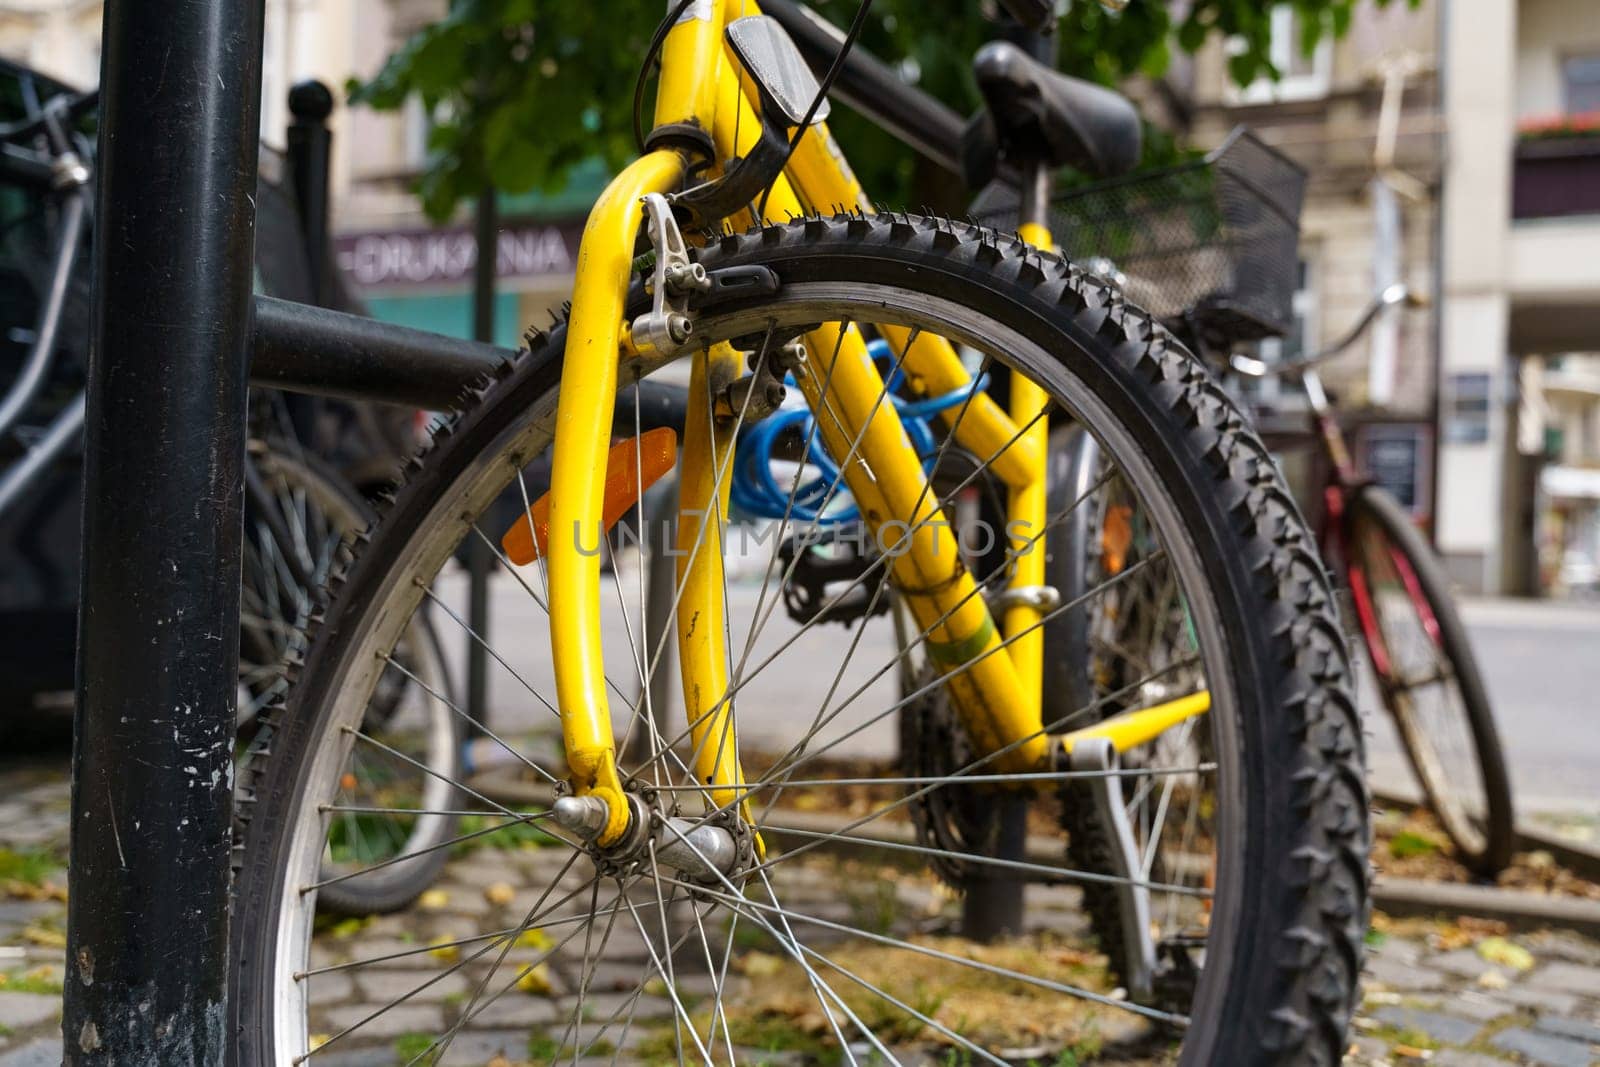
[{"x": 300, "y": 510}]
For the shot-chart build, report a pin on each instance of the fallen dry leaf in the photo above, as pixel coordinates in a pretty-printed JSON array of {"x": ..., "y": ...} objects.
[
  {"x": 433, "y": 900},
  {"x": 533, "y": 937},
  {"x": 1483, "y": 927},
  {"x": 1506, "y": 953},
  {"x": 760, "y": 964},
  {"x": 499, "y": 894},
  {"x": 536, "y": 982},
  {"x": 19, "y": 890},
  {"x": 1450, "y": 937},
  {"x": 40, "y": 935},
  {"x": 444, "y": 951}
]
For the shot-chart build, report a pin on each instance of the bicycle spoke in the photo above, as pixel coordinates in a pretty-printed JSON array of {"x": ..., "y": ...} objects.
[
  {"x": 443, "y": 1043},
  {"x": 948, "y": 957},
  {"x": 466, "y": 717},
  {"x": 1055, "y": 873}
]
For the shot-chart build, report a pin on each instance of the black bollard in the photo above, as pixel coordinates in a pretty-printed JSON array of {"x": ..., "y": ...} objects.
[{"x": 158, "y": 631}]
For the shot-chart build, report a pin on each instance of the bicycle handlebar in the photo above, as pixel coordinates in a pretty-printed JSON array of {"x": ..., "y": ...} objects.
[{"x": 1388, "y": 298}]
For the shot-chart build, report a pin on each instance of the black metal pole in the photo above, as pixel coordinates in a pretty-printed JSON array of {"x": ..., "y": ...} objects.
[
  {"x": 309, "y": 157},
  {"x": 487, "y": 233},
  {"x": 310, "y": 145},
  {"x": 992, "y": 906},
  {"x": 152, "y": 766}
]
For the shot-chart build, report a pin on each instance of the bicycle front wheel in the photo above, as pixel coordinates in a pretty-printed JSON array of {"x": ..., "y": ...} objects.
[
  {"x": 1429, "y": 679},
  {"x": 841, "y": 940}
]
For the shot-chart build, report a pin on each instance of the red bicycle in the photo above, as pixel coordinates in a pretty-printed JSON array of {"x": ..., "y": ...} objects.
[{"x": 1415, "y": 639}]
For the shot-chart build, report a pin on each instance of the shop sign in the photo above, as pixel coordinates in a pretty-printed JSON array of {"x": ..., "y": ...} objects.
[{"x": 445, "y": 257}]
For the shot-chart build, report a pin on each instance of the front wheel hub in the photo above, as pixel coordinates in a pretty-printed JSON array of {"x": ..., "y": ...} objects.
[{"x": 705, "y": 851}]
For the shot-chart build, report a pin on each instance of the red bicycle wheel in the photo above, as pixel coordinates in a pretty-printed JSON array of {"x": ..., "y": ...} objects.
[{"x": 1428, "y": 678}]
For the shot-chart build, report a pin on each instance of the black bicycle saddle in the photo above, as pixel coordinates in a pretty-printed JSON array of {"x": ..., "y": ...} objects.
[{"x": 1034, "y": 113}]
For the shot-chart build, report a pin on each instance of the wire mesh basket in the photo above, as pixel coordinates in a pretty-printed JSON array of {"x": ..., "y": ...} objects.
[{"x": 1216, "y": 239}]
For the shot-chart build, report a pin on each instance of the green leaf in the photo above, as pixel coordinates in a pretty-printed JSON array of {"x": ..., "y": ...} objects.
[
  {"x": 1192, "y": 34},
  {"x": 1245, "y": 67},
  {"x": 1156, "y": 61}
]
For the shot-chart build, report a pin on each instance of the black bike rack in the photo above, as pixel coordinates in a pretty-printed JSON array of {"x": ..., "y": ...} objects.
[
  {"x": 174, "y": 331},
  {"x": 158, "y": 640}
]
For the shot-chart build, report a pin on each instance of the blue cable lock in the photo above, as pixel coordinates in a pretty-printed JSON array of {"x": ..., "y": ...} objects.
[{"x": 823, "y": 500}]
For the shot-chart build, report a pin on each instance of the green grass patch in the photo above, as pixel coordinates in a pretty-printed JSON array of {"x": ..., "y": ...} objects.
[
  {"x": 508, "y": 836},
  {"x": 1408, "y": 843},
  {"x": 38, "y": 981},
  {"x": 542, "y": 1048},
  {"x": 31, "y": 867},
  {"x": 339, "y": 926},
  {"x": 409, "y": 1046},
  {"x": 748, "y": 936}
]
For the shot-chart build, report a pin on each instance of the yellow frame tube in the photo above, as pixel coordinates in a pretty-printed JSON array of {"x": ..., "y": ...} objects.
[
  {"x": 577, "y": 484},
  {"x": 1134, "y": 728},
  {"x": 685, "y": 95},
  {"x": 928, "y": 571},
  {"x": 707, "y": 470},
  {"x": 824, "y": 181},
  {"x": 1025, "y": 517}
]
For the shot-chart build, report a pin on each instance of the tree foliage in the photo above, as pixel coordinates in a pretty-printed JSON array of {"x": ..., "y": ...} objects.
[{"x": 521, "y": 91}]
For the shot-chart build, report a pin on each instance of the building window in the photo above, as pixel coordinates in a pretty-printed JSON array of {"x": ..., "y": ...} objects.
[
  {"x": 1300, "y": 76},
  {"x": 418, "y": 128},
  {"x": 1580, "y": 84},
  {"x": 1467, "y": 408}
]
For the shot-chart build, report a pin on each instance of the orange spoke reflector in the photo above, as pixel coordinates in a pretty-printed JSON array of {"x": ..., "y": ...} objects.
[
  {"x": 1116, "y": 537},
  {"x": 632, "y": 466}
]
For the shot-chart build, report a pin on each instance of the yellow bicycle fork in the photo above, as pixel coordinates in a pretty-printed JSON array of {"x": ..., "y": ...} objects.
[{"x": 994, "y": 675}]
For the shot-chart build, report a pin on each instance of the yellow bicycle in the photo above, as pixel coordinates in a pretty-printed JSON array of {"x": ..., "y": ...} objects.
[{"x": 768, "y": 873}]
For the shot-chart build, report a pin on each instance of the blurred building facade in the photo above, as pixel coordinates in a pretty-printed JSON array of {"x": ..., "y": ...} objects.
[{"x": 1482, "y": 412}]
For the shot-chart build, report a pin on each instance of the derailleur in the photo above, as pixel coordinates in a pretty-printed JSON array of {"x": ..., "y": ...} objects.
[{"x": 838, "y": 557}]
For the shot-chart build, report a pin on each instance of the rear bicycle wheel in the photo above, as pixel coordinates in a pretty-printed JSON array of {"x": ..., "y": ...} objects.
[
  {"x": 839, "y": 942},
  {"x": 298, "y": 530},
  {"x": 1429, "y": 678},
  {"x": 1133, "y": 647}
]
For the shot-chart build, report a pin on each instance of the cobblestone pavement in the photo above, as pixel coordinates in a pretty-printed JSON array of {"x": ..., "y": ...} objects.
[{"x": 1449, "y": 993}]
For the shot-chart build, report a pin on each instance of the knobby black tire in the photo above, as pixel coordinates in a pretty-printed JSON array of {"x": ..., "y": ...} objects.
[
  {"x": 1287, "y": 995},
  {"x": 1490, "y": 856}
]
